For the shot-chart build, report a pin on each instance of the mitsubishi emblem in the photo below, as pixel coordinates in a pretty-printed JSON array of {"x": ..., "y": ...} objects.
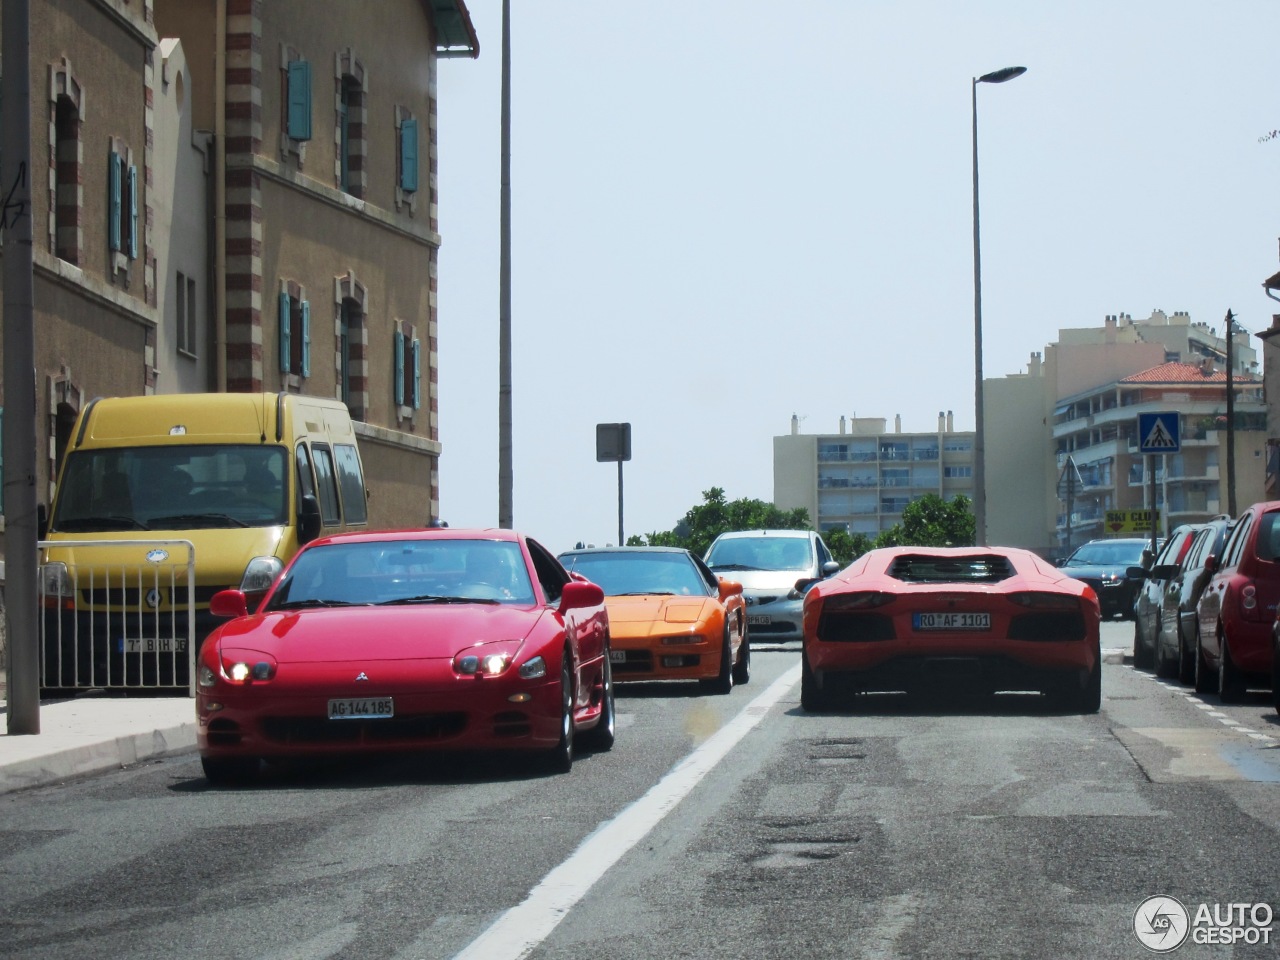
[{"x": 361, "y": 676}]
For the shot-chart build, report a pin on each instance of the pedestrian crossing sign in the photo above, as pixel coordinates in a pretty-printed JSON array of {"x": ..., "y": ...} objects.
[{"x": 1159, "y": 432}]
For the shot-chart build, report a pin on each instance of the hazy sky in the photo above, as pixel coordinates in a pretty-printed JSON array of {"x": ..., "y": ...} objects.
[{"x": 729, "y": 211}]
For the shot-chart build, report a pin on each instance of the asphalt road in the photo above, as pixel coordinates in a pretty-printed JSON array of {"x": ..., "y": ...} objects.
[{"x": 731, "y": 826}]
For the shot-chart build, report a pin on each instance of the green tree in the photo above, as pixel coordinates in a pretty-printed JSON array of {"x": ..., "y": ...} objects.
[
  {"x": 846, "y": 547},
  {"x": 932, "y": 522},
  {"x": 717, "y": 515}
]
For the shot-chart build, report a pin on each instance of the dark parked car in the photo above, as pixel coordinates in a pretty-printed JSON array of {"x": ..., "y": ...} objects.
[
  {"x": 1147, "y": 605},
  {"x": 1176, "y": 639},
  {"x": 1237, "y": 610},
  {"x": 1113, "y": 568}
]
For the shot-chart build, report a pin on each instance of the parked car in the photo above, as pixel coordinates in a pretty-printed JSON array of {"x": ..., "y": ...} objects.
[
  {"x": 1150, "y": 597},
  {"x": 414, "y": 640},
  {"x": 1237, "y": 610},
  {"x": 1113, "y": 567},
  {"x": 1176, "y": 639},
  {"x": 775, "y": 568},
  {"x": 670, "y": 617},
  {"x": 982, "y": 619}
]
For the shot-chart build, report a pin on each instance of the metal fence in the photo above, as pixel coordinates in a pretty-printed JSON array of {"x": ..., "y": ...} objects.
[{"x": 117, "y": 626}]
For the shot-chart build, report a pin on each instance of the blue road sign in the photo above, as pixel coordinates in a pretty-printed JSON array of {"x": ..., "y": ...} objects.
[{"x": 1159, "y": 432}]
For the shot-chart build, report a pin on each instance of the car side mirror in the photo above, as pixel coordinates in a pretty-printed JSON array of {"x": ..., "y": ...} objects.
[
  {"x": 229, "y": 603},
  {"x": 308, "y": 518},
  {"x": 830, "y": 567},
  {"x": 729, "y": 588},
  {"x": 802, "y": 586},
  {"x": 578, "y": 594},
  {"x": 1211, "y": 564},
  {"x": 1166, "y": 571},
  {"x": 1148, "y": 558},
  {"x": 1136, "y": 573},
  {"x": 575, "y": 575}
]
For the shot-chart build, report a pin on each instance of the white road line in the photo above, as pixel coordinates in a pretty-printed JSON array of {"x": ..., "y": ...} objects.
[{"x": 517, "y": 932}]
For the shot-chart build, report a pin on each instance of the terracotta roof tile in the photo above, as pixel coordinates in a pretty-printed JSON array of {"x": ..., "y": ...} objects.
[{"x": 1176, "y": 372}]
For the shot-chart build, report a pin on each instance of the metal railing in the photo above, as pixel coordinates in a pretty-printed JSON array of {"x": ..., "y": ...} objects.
[{"x": 117, "y": 626}]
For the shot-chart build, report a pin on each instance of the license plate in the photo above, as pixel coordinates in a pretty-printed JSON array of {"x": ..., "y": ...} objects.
[
  {"x": 951, "y": 621},
  {"x": 618, "y": 656},
  {"x": 759, "y": 620},
  {"x": 377, "y": 708},
  {"x": 152, "y": 645}
]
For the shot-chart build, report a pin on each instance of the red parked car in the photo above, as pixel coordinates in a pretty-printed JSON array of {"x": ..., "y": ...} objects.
[
  {"x": 1237, "y": 609},
  {"x": 950, "y": 619},
  {"x": 435, "y": 639}
]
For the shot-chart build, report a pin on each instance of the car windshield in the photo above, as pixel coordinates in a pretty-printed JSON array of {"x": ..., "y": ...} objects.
[
  {"x": 1103, "y": 553},
  {"x": 178, "y": 487},
  {"x": 402, "y": 572},
  {"x": 639, "y": 572},
  {"x": 760, "y": 553}
]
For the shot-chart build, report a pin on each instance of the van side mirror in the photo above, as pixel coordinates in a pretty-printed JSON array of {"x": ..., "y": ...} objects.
[
  {"x": 42, "y": 521},
  {"x": 308, "y": 518}
]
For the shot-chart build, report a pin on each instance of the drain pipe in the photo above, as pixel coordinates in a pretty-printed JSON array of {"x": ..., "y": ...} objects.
[{"x": 220, "y": 199}]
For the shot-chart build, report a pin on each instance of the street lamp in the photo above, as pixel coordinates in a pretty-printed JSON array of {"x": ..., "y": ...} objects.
[{"x": 979, "y": 434}]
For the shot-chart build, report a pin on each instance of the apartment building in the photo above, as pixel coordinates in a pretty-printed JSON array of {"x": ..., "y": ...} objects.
[
  {"x": 860, "y": 478},
  {"x": 241, "y": 195}
]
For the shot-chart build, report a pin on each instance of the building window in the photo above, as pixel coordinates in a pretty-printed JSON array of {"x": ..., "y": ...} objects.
[
  {"x": 295, "y": 334},
  {"x": 122, "y": 205},
  {"x": 350, "y": 145},
  {"x": 186, "y": 314},
  {"x": 407, "y": 380},
  {"x": 66, "y": 211},
  {"x": 297, "y": 79},
  {"x": 350, "y": 342},
  {"x": 955, "y": 473}
]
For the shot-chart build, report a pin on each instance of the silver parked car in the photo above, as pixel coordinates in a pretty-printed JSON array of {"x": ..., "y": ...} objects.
[{"x": 775, "y": 568}]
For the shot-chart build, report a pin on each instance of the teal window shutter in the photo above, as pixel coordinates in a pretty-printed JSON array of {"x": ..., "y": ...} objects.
[
  {"x": 286, "y": 352},
  {"x": 399, "y": 377},
  {"x": 409, "y": 155},
  {"x": 306, "y": 338},
  {"x": 133, "y": 213},
  {"x": 114, "y": 164},
  {"x": 417, "y": 373},
  {"x": 299, "y": 117}
]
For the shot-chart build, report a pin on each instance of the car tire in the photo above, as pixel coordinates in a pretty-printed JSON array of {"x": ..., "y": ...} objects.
[
  {"x": 1089, "y": 697},
  {"x": 813, "y": 699},
  {"x": 560, "y": 759},
  {"x": 1275, "y": 672},
  {"x": 600, "y": 737},
  {"x": 1205, "y": 681},
  {"x": 1166, "y": 664},
  {"x": 722, "y": 682},
  {"x": 1186, "y": 658},
  {"x": 1142, "y": 657},
  {"x": 220, "y": 771},
  {"x": 742, "y": 669},
  {"x": 1231, "y": 683}
]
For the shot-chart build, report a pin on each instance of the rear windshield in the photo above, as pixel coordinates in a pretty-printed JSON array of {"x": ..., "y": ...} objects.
[
  {"x": 979, "y": 568},
  {"x": 172, "y": 488}
]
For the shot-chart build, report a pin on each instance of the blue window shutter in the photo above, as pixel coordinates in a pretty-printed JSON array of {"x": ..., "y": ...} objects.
[
  {"x": 299, "y": 100},
  {"x": 409, "y": 155},
  {"x": 133, "y": 213},
  {"x": 399, "y": 377},
  {"x": 113, "y": 201},
  {"x": 417, "y": 373},
  {"x": 306, "y": 338},
  {"x": 286, "y": 353}
]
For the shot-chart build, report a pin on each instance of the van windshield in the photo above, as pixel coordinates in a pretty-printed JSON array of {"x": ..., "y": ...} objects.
[{"x": 172, "y": 488}]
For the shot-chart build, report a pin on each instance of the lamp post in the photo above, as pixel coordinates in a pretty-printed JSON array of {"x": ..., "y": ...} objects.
[{"x": 979, "y": 434}]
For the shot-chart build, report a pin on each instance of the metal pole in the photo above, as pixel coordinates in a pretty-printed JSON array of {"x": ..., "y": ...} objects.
[
  {"x": 1231, "y": 420},
  {"x": 1151, "y": 468},
  {"x": 19, "y": 374},
  {"x": 506, "y": 479},
  {"x": 979, "y": 431},
  {"x": 621, "y": 541}
]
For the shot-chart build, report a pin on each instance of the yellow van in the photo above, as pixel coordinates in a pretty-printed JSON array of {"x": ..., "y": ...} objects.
[{"x": 247, "y": 479}]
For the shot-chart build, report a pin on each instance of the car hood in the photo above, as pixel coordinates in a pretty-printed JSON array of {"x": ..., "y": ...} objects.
[
  {"x": 657, "y": 608},
  {"x": 378, "y": 633},
  {"x": 758, "y": 580}
]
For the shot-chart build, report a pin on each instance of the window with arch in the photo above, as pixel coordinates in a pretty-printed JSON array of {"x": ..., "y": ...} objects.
[
  {"x": 350, "y": 124},
  {"x": 66, "y": 150}
]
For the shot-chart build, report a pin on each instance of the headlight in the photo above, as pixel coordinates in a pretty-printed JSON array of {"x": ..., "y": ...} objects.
[
  {"x": 205, "y": 677},
  {"x": 487, "y": 659},
  {"x": 260, "y": 574},
  {"x": 244, "y": 667},
  {"x": 54, "y": 582},
  {"x": 533, "y": 669}
]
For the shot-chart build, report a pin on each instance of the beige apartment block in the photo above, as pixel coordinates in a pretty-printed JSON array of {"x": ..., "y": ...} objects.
[{"x": 861, "y": 477}]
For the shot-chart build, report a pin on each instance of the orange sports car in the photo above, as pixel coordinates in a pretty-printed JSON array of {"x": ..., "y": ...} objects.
[
  {"x": 978, "y": 619},
  {"x": 670, "y": 617}
]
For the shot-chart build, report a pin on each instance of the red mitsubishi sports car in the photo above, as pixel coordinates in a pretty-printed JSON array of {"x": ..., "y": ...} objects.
[
  {"x": 436, "y": 639},
  {"x": 949, "y": 619}
]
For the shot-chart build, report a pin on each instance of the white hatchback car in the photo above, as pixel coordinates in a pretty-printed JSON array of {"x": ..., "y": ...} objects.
[{"x": 769, "y": 564}]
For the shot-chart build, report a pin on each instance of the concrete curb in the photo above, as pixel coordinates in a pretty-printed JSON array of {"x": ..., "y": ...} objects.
[{"x": 96, "y": 757}]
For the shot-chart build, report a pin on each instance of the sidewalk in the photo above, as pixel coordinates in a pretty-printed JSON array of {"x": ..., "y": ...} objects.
[{"x": 93, "y": 733}]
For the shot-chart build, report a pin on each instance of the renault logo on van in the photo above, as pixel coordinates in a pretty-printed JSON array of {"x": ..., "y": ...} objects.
[
  {"x": 157, "y": 555},
  {"x": 153, "y": 598}
]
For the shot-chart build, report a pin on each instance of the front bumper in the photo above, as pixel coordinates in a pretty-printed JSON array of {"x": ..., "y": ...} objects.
[{"x": 774, "y": 617}]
